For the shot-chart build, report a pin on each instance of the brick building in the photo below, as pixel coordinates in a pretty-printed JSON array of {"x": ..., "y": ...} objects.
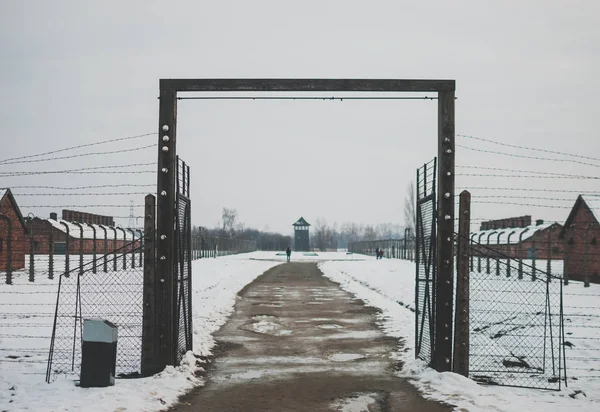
[
  {"x": 18, "y": 239},
  {"x": 581, "y": 234},
  {"x": 522, "y": 241},
  {"x": 61, "y": 233}
]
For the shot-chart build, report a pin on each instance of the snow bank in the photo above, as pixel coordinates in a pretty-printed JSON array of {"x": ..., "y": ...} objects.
[{"x": 389, "y": 285}]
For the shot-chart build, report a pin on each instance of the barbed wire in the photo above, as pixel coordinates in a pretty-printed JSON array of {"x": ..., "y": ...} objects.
[
  {"x": 79, "y": 155},
  {"x": 576, "y": 177},
  {"x": 523, "y": 171},
  {"x": 526, "y": 156},
  {"x": 528, "y": 148},
  {"x": 78, "y": 169},
  {"x": 81, "y": 194},
  {"x": 79, "y": 146},
  {"x": 81, "y": 187},
  {"x": 83, "y": 206},
  {"x": 583, "y": 192}
]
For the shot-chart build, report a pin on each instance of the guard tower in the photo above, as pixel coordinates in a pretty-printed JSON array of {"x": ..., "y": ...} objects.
[{"x": 301, "y": 235}]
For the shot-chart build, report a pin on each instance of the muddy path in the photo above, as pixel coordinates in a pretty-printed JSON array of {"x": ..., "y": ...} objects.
[{"x": 297, "y": 342}]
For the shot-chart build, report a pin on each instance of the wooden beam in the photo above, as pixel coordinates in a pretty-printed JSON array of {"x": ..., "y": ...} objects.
[{"x": 306, "y": 85}]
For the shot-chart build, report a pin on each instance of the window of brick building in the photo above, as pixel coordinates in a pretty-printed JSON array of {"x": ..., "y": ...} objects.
[
  {"x": 594, "y": 242},
  {"x": 555, "y": 249},
  {"x": 1, "y": 245},
  {"x": 571, "y": 241}
]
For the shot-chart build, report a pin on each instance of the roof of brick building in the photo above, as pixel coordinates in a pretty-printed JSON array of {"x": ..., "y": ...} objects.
[
  {"x": 88, "y": 232},
  {"x": 593, "y": 202},
  {"x": 500, "y": 236}
]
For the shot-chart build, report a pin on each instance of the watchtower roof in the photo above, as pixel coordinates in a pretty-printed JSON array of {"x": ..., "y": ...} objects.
[{"x": 301, "y": 222}]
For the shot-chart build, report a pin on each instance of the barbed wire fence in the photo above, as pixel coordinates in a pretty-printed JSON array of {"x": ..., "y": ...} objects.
[
  {"x": 214, "y": 246},
  {"x": 64, "y": 196},
  {"x": 534, "y": 218},
  {"x": 392, "y": 248}
]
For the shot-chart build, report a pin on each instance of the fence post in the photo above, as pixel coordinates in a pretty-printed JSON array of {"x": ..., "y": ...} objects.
[
  {"x": 461, "y": 321},
  {"x": 105, "y": 263},
  {"x": 67, "y": 245},
  {"x": 132, "y": 247},
  {"x": 31, "y": 249},
  {"x": 93, "y": 248},
  {"x": 79, "y": 225},
  {"x": 51, "y": 252},
  {"x": 150, "y": 325},
  {"x": 549, "y": 257},
  {"x": 114, "y": 249},
  {"x": 124, "y": 248},
  {"x": 141, "y": 263}
]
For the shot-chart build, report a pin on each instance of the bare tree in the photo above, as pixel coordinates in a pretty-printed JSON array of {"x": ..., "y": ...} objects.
[
  {"x": 229, "y": 217},
  {"x": 410, "y": 204}
]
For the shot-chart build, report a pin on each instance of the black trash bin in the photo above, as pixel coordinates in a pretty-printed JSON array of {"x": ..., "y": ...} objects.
[{"x": 98, "y": 354}]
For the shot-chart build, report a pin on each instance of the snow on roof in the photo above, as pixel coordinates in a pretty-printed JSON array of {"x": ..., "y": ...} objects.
[
  {"x": 500, "y": 236},
  {"x": 2, "y": 193},
  {"x": 593, "y": 203},
  {"x": 88, "y": 232}
]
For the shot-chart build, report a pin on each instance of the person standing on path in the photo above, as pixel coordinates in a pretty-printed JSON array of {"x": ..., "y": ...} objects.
[{"x": 288, "y": 252}]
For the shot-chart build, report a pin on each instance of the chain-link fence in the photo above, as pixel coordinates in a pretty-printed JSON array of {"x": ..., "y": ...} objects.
[
  {"x": 516, "y": 322},
  {"x": 116, "y": 296}
]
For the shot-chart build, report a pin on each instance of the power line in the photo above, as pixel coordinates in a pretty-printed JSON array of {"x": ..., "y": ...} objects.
[
  {"x": 527, "y": 157},
  {"x": 78, "y": 147},
  {"x": 528, "y": 148},
  {"x": 79, "y": 155}
]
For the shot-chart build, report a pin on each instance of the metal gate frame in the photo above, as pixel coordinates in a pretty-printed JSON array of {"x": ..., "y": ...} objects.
[
  {"x": 166, "y": 191},
  {"x": 426, "y": 264},
  {"x": 183, "y": 265}
]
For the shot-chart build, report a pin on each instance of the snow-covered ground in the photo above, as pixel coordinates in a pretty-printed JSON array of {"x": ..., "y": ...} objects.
[
  {"x": 26, "y": 312},
  {"x": 26, "y": 316},
  {"x": 390, "y": 285}
]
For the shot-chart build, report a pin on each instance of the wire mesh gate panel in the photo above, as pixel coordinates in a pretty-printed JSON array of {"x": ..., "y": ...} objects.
[
  {"x": 425, "y": 262},
  {"x": 516, "y": 322},
  {"x": 114, "y": 295},
  {"x": 183, "y": 264}
]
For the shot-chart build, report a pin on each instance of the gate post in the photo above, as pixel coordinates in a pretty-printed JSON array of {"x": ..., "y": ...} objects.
[
  {"x": 445, "y": 229},
  {"x": 165, "y": 208},
  {"x": 150, "y": 325},
  {"x": 461, "y": 324}
]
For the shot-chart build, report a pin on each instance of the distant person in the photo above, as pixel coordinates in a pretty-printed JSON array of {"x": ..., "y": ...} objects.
[
  {"x": 377, "y": 253},
  {"x": 288, "y": 252},
  {"x": 380, "y": 253}
]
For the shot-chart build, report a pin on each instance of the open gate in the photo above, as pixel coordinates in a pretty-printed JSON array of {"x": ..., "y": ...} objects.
[
  {"x": 426, "y": 255},
  {"x": 183, "y": 264}
]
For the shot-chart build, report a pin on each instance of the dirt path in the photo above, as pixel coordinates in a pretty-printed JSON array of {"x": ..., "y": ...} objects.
[{"x": 298, "y": 342}]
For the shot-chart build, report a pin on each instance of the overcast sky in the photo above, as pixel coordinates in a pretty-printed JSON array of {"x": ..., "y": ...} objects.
[{"x": 77, "y": 72}]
